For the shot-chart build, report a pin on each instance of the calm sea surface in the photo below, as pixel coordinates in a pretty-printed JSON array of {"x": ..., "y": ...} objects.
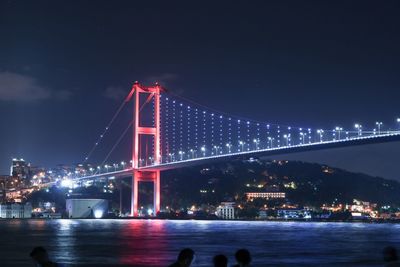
[{"x": 157, "y": 242}]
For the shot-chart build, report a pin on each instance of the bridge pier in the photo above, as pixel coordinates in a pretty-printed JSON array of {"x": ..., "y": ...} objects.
[{"x": 145, "y": 176}]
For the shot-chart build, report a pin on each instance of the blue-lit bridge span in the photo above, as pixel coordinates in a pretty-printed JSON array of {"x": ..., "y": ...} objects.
[
  {"x": 124, "y": 172},
  {"x": 172, "y": 132}
]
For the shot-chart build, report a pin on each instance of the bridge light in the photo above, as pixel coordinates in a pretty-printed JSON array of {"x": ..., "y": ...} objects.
[
  {"x": 359, "y": 128},
  {"x": 320, "y": 132},
  {"x": 203, "y": 148},
  {"x": 339, "y": 130},
  {"x": 287, "y": 139},
  {"x": 379, "y": 124}
]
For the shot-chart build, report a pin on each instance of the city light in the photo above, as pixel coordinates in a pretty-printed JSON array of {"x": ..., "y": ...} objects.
[
  {"x": 98, "y": 214},
  {"x": 67, "y": 183}
]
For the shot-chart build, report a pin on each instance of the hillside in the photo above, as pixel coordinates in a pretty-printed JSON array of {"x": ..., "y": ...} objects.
[{"x": 304, "y": 183}]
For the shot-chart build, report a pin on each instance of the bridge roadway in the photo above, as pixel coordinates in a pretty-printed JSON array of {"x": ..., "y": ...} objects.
[{"x": 355, "y": 141}]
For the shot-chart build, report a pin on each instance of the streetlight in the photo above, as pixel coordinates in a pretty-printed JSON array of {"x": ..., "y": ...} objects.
[
  {"x": 379, "y": 124},
  {"x": 287, "y": 139},
  {"x": 398, "y": 120},
  {"x": 123, "y": 164},
  {"x": 228, "y": 145},
  {"x": 270, "y": 139},
  {"x": 320, "y": 132},
  {"x": 302, "y": 137},
  {"x": 359, "y": 128},
  {"x": 91, "y": 170},
  {"x": 256, "y": 142},
  {"x": 106, "y": 166},
  {"x": 339, "y": 130},
  {"x": 203, "y": 149},
  {"x": 192, "y": 151},
  {"x": 241, "y": 143}
]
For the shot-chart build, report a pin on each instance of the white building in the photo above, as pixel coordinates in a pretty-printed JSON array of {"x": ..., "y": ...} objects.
[
  {"x": 226, "y": 210},
  {"x": 15, "y": 211},
  {"x": 87, "y": 208},
  {"x": 265, "y": 195}
]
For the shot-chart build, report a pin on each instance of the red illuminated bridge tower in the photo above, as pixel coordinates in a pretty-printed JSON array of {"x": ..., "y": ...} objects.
[{"x": 146, "y": 140}]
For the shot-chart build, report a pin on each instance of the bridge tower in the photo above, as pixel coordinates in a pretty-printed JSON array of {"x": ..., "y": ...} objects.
[{"x": 146, "y": 141}]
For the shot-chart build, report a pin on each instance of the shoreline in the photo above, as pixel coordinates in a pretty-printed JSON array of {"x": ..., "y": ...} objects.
[{"x": 377, "y": 221}]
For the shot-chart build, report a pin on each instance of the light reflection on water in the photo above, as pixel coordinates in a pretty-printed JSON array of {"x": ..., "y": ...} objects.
[{"x": 157, "y": 242}]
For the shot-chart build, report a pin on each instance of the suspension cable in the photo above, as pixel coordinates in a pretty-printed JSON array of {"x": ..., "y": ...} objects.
[
  {"x": 116, "y": 143},
  {"x": 227, "y": 114},
  {"x": 104, "y": 132}
]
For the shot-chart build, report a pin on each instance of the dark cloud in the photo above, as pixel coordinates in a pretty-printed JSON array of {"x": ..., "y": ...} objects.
[{"x": 16, "y": 87}]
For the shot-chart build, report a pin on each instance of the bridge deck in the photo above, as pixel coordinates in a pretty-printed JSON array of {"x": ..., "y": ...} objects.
[{"x": 363, "y": 140}]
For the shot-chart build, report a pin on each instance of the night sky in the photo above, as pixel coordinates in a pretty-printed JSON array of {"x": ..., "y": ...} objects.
[{"x": 65, "y": 66}]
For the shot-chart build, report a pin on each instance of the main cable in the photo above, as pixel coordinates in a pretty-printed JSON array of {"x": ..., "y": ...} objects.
[{"x": 104, "y": 132}]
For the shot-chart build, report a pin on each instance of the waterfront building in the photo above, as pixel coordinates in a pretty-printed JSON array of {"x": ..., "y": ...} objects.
[
  {"x": 263, "y": 214},
  {"x": 226, "y": 210},
  {"x": 86, "y": 208},
  {"x": 294, "y": 214},
  {"x": 363, "y": 208},
  {"x": 15, "y": 211}
]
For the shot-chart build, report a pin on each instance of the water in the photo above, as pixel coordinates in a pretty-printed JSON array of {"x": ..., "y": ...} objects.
[{"x": 157, "y": 242}]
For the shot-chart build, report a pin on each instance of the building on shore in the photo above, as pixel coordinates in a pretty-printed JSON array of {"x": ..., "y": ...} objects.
[
  {"x": 226, "y": 211},
  {"x": 15, "y": 211},
  {"x": 86, "y": 208},
  {"x": 293, "y": 213}
]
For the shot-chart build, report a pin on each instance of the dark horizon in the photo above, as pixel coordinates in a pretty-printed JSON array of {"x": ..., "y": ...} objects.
[{"x": 65, "y": 68}]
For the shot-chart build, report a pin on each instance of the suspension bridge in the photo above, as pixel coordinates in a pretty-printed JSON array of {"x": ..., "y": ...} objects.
[{"x": 172, "y": 132}]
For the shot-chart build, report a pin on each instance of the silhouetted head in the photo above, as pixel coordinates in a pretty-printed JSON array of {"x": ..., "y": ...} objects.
[
  {"x": 243, "y": 257},
  {"x": 185, "y": 257},
  {"x": 390, "y": 254},
  {"x": 39, "y": 255},
  {"x": 220, "y": 261}
]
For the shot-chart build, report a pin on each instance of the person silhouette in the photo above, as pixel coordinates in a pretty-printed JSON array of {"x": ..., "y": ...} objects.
[
  {"x": 390, "y": 256},
  {"x": 243, "y": 258},
  {"x": 185, "y": 258},
  {"x": 220, "y": 261},
  {"x": 41, "y": 258}
]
